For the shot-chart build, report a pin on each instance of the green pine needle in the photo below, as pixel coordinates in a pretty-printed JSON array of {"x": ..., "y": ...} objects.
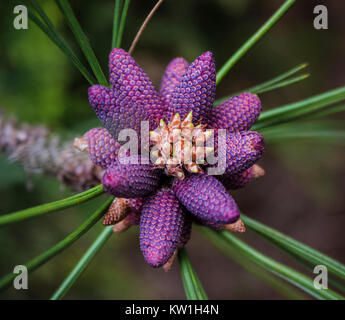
[
  {"x": 83, "y": 263},
  {"x": 318, "y": 131},
  {"x": 278, "y": 79},
  {"x": 116, "y": 22},
  {"x": 295, "y": 247},
  {"x": 254, "y": 39},
  {"x": 51, "y": 207},
  {"x": 290, "y": 275},
  {"x": 82, "y": 41},
  {"x": 122, "y": 24},
  {"x": 326, "y": 112},
  {"x": 283, "y": 83},
  {"x": 281, "y": 286},
  {"x": 59, "y": 247},
  {"x": 336, "y": 137},
  {"x": 191, "y": 282},
  {"x": 55, "y": 37},
  {"x": 267, "y": 84},
  {"x": 300, "y": 109}
]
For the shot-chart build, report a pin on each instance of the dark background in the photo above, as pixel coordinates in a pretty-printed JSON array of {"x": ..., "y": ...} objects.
[{"x": 302, "y": 193}]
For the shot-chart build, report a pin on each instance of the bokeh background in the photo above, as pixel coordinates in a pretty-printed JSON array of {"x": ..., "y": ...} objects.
[{"x": 302, "y": 193}]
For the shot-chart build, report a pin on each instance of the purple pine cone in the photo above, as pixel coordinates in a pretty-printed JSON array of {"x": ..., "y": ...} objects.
[
  {"x": 131, "y": 180},
  {"x": 161, "y": 227},
  {"x": 102, "y": 101},
  {"x": 165, "y": 209},
  {"x": 236, "y": 114},
  {"x": 196, "y": 90},
  {"x": 210, "y": 224},
  {"x": 173, "y": 73},
  {"x": 102, "y": 147},
  {"x": 206, "y": 198},
  {"x": 236, "y": 181},
  {"x": 135, "y": 93},
  {"x": 242, "y": 150}
]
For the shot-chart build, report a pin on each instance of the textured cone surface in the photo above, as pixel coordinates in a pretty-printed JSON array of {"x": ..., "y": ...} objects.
[
  {"x": 116, "y": 212},
  {"x": 241, "y": 151},
  {"x": 161, "y": 227},
  {"x": 173, "y": 74},
  {"x": 102, "y": 147},
  {"x": 206, "y": 198},
  {"x": 131, "y": 180},
  {"x": 237, "y": 181},
  {"x": 102, "y": 101},
  {"x": 120, "y": 208},
  {"x": 196, "y": 90},
  {"x": 235, "y": 114},
  {"x": 136, "y": 98}
]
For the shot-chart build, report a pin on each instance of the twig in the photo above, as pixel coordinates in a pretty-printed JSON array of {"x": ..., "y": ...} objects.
[
  {"x": 143, "y": 26},
  {"x": 41, "y": 152}
]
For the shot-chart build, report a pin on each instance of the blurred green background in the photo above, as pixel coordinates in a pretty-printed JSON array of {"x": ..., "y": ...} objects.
[{"x": 302, "y": 193}]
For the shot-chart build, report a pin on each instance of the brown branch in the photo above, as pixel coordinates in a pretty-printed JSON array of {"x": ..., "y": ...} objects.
[
  {"x": 41, "y": 152},
  {"x": 143, "y": 26}
]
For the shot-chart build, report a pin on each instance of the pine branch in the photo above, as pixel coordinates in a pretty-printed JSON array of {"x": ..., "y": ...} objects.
[{"x": 41, "y": 152}]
